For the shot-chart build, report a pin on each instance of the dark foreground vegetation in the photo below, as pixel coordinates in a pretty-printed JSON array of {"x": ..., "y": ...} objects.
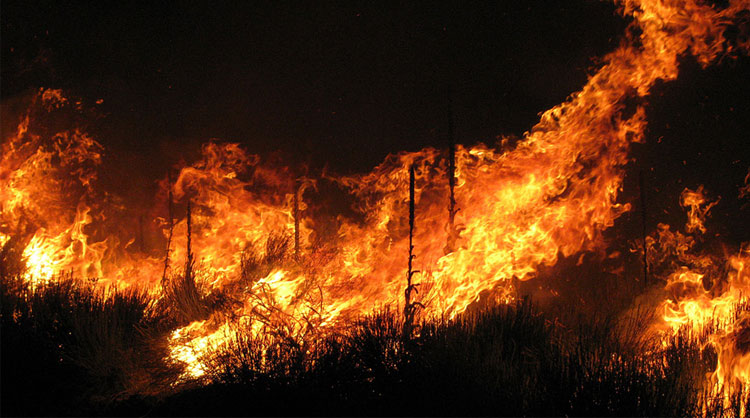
[{"x": 67, "y": 349}]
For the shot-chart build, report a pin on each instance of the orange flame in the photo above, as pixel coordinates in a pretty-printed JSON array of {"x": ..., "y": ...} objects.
[{"x": 708, "y": 296}]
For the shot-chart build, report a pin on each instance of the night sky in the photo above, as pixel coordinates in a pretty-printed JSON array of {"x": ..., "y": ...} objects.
[
  {"x": 342, "y": 84},
  {"x": 345, "y": 83}
]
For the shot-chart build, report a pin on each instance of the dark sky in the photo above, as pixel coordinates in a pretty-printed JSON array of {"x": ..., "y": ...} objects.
[
  {"x": 345, "y": 83},
  {"x": 339, "y": 82}
]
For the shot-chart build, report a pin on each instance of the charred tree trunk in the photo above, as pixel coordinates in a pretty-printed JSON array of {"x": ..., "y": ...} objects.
[
  {"x": 187, "y": 299},
  {"x": 452, "y": 233},
  {"x": 642, "y": 186},
  {"x": 189, "y": 262},
  {"x": 170, "y": 211},
  {"x": 296, "y": 219},
  {"x": 410, "y": 308}
]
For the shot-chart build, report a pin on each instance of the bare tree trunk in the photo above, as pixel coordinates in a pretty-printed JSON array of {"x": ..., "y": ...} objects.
[
  {"x": 452, "y": 233},
  {"x": 189, "y": 262},
  {"x": 410, "y": 308},
  {"x": 642, "y": 185},
  {"x": 186, "y": 296},
  {"x": 296, "y": 219},
  {"x": 171, "y": 227}
]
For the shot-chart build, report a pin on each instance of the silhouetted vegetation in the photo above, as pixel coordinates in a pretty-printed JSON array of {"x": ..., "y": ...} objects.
[
  {"x": 509, "y": 360},
  {"x": 70, "y": 349}
]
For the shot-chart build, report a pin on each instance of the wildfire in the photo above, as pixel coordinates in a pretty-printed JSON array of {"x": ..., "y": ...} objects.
[
  {"x": 553, "y": 193},
  {"x": 708, "y": 297}
]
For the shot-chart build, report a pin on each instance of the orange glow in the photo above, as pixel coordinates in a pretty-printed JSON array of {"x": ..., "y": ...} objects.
[{"x": 707, "y": 295}]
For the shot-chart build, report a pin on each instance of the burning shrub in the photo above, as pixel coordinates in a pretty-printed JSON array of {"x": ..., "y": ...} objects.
[{"x": 86, "y": 347}]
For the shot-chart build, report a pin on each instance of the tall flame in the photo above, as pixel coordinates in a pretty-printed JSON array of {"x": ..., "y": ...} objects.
[{"x": 42, "y": 176}]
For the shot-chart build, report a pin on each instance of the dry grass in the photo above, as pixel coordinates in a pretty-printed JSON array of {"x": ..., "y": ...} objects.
[{"x": 70, "y": 349}]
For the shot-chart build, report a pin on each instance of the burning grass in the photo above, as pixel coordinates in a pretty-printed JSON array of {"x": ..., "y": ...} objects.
[
  {"x": 96, "y": 352},
  {"x": 69, "y": 348},
  {"x": 506, "y": 360}
]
